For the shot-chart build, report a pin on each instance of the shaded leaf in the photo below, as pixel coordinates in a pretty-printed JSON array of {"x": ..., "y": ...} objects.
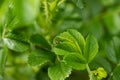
[
  {"x": 40, "y": 57},
  {"x": 110, "y": 52},
  {"x": 78, "y": 3},
  {"x": 39, "y": 40},
  {"x": 100, "y": 62},
  {"x": 116, "y": 73}
]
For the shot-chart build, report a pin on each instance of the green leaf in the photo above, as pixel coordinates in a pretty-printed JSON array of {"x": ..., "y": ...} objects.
[
  {"x": 76, "y": 61},
  {"x": 40, "y": 57},
  {"x": 110, "y": 51},
  {"x": 16, "y": 42},
  {"x": 26, "y": 10},
  {"x": 39, "y": 40},
  {"x": 78, "y": 3},
  {"x": 3, "y": 56},
  {"x": 69, "y": 41},
  {"x": 107, "y": 2},
  {"x": 116, "y": 73},
  {"x": 53, "y": 5},
  {"x": 59, "y": 71},
  {"x": 91, "y": 48},
  {"x": 10, "y": 20},
  {"x": 100, "y": 62},
  {"x": 1, "y": 2},
  {"x": 112, "y": 22},
  {"x": 116, "y": 42}
]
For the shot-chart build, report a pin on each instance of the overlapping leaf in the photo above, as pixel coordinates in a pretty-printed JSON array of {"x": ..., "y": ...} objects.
[
  {"x": 39, "y": 40},
  {"x": 76, "y": 61},
  {"x": 91, "y": 48},
  {"x": 16, "y": 42},
  {"x": 40, "y": 57}
]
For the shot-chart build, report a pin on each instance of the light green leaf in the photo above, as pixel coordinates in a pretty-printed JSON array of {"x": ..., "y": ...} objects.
[
  {"x": 39, "y": 40},
  {"x": 40, "y": 57},
  {"x": 59, "y": 71},
  {"x": 10, "y": 20},
  {"x": 91, "y": 48},
  {"x": 70, "y": 41},
  {"x": 116, "y": 73},
  {"x": 76, "y": 61},
  {"x": 3, "y": 56},
  {"x": 16, "y": 42},
  {"x": 53, "y": 5},
  {"x": 26, "y": 10},
  {"x": 107, "y": 2}
]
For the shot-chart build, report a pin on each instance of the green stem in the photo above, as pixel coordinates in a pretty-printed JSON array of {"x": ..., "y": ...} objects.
[
  {"x": 89, "y": 72},
  {"x": 46, "y": 10},
  {"x": 88, "y": 69},
  {"x": 3, "y": 33}
]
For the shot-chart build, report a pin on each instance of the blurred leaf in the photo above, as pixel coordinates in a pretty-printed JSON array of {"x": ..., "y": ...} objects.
[
  {"x": 91, "y": 48},
  {"x": 1, "y": 1},
  {"x": 26, "y": 10},
  {"x": 69, "y": 41},
  {"x": 59, "y": 71},
  {"x": 76, "y": 61},
  {"x": 78, "y": 3},
  {"x": 10, "y": 20},
  {"x": 116, "y": 42},
  {"x": 112, "y": 22},
  {"x": 116, "y": 73},
  {"x": 3, "y": 57},
  {"x": 53, "y": 5},
  {"x": 109, "y": 51},
  {"x": 107, "y": 2},
  {"x": 16, "y": 42},
  {"x": 40, "y": 57},
  {"x": 100, "y": 62},
  {"x": 39, "y": 40}
]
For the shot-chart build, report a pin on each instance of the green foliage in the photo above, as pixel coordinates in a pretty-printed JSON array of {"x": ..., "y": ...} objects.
[
  {"x": 59, "y": 71},
  {"x": 91, "y": 48},
  {"x": 59, "y": 39},
  {"x": 76, "y": 61},
  {"x": 23, "y": 7},
  {"x": 39, "y": 40},
  {"x": 16, "y": 42},
  {"x": 40, "y": 57},
  {"x": 3, "y": 56}
]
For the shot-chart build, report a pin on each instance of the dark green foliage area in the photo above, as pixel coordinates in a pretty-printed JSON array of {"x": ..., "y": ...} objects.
[{"x": 59, "y": 39}]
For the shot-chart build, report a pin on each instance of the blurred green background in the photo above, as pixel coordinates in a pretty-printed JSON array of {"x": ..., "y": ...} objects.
[{"x": 49, "y": 18}]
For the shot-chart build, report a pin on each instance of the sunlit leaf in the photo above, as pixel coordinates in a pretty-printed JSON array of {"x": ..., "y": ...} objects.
[{"x": 59, "y": 71}]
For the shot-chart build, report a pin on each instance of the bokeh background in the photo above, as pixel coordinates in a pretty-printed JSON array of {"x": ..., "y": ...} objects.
[{"x": 100, "y": 18}]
